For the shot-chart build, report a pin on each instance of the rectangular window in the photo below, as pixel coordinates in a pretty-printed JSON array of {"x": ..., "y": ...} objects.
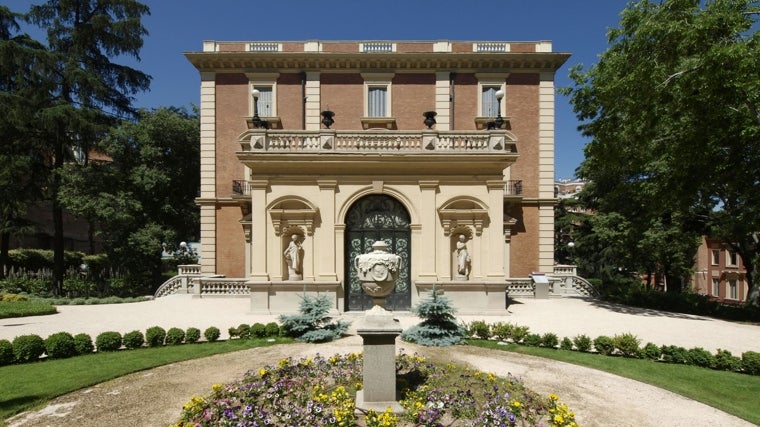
[
  {"x": 715, "y": 258},
  {"x": 716, "y": 287},
  {"x": 377, "y": 101},
  {"x": 731, "y": 258},
  {"x": 733, "y": 291},
  {"x": 490, "y": 105},
  {"x": 265, "y": 102}
]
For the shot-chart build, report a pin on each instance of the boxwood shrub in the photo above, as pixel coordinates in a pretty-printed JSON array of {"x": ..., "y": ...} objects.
[
  {"x": 650, "y": 351},
  {"x": 582, "y": 343},
  {"x": 60, "y": 346},
  {"x": 133, "y": 339},
  {"x": 211, "y": 333},
  {"x": 6, "y": 352},
  {"x": 751, "y": 362},
  {"x": 604, "y": 345},
  {"x": 258, "y": 330},
  {"x": 532, "y": 340},
  {"x": 244, "y": 331},
  {"x": 549, "y": 340},
  {"x": 28, "y": 348},
  {"x": 192, "y": 335},
  {"x": 155, "y": 336},
  {"x": 108, "y": 341},
  {"x": 83, "y": 344},
  {"x": 175, "y": 336},
  {"x": 272, "y": 329},
  {"x": 725, "y": 361}
]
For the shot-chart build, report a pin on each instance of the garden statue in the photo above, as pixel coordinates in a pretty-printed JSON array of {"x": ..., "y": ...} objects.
[
  {"x": 463, "y": 259},
  {"x": 294, "y": 258}
]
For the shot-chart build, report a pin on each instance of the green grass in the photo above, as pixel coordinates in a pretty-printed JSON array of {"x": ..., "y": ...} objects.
[
  {"x": 730, "y": 392},
  {"x": 10, "y": 309},
  {"x": 26, "y": 386}
]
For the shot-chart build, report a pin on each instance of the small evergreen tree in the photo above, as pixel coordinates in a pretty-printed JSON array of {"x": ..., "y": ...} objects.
[
  {"x": 439, "y": 327},
  {"x": 313, "y": 324}
]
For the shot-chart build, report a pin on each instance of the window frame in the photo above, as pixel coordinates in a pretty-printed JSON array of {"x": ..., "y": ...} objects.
[
  {"x": 259, "y": 81},
  {"x": 715, "y": 257},
  {"x": 732, "y": 259},
  {"x": 716, "y": 287},
  {"x": 373, "y": 80},
  {"x": 733, "y": 289}
]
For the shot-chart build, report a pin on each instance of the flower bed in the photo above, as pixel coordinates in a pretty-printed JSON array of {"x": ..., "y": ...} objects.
[{"x": 321, "y": 391}]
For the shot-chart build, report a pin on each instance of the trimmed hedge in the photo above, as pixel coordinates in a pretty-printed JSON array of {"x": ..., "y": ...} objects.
[
  {"x": 28, "y": 348},
  {"x": 133, "y": 339},
  {"x": 60, "y": 346},
  {"x": 6, "y": 353},
  {"x": 212, "y": 333},
  {"x": 175, "y": 336},
  {"x": 192, "y": 335},
  {"x": 108, "y": 341},
  {"x": 83, "y": 344},
  {"x": 155, "y": 336}
]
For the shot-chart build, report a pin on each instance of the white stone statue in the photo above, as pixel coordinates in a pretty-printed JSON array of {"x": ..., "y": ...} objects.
[
  {"x": 294, "y": 258},
  {"x": 463, "y": 259}
]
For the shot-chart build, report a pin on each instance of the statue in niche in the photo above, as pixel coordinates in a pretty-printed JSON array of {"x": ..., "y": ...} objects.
[
  {"x": 463, "y": 259},
  {"x": 294, "y": 258}
]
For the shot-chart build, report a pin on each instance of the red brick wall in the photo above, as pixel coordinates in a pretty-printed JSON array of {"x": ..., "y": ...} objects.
[
  {"x": 412, "y": 95},
  {"x": 344, "y": 95}
]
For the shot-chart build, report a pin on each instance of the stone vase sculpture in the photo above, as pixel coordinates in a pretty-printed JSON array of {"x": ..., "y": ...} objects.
[{"x": 378, "y": 271}]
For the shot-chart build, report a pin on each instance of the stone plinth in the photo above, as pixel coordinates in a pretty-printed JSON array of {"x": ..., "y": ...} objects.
[{"x": 379, "y": 330}]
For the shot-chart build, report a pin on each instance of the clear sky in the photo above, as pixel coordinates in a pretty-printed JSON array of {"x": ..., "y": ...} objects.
[{"x": 578, "y": 27}]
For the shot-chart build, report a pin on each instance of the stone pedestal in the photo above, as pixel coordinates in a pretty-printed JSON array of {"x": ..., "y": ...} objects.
[{"x": 379, "y": 330}]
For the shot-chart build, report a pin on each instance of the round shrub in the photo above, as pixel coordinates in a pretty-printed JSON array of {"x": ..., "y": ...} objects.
[
  {"x": 258, "y": 330},
  {"x": 582, "y": 343},
  {"x": 549, "y": 340},
  {"x": 108, "y": 341},
  {"x": 83, "y": 344},
  {"x": 6, "y": 352},
  {"x": 751, "y": 362},
  {"x": 674, "y": 354},
  {"x": 501, "y": 330},
  {"x": 175, "y": 336},
  {"x": 211, "y": 333},
  {"x": 28, "y": 348},
  {"x": 155, "y": 336},
  {"x": 233, "y": 332},
  {"x": 700, "y": 357},
  {"x": 192, "y": 335},
  {"x": 133, "y": 340},
  {"x": 60, "y": 346},
  {"x": 244, "y": 331},
  {"x": 566, "y": 344},
  {"x": 272, "y": 329},
  {"x": 533, "y": 340},
  {"x": 627, "y": 344},
  {"x": 604, "y": 345},
  {"x": 725, "y": 361},
  {"x": 479, "y": 329},
  {"x": 650, "y": 351}
]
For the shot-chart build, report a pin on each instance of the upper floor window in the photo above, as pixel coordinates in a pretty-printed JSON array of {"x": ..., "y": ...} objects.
[
  {"x": 265, "y": 85},
  {"x": 489, "y": 105},
  {"x": 715, "y": 257},
  {"x": 377, "y": 101},
  {"x": 265, "y": 101},
  {"x": 731, "y": 258}
]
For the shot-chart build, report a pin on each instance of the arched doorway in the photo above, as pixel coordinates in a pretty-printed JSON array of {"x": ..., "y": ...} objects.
[{"x": 371, "y": 218}]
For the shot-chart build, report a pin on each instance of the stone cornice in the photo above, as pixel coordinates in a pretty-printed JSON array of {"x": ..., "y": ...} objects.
[{"x": 391, "y": 61}]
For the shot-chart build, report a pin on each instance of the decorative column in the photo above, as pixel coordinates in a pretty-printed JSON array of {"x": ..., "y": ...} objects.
[
  {"x": 259, "y": 246},
  {"x": 495, "y": 238},
  {"x": 326, "y": 259},
  {"x": 428, "y": 221}
]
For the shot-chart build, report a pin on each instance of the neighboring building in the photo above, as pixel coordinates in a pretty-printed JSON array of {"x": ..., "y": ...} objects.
[
  {"x": 719, "y": 272},
  {"x": 566, "y": 188},
  {"x": 332, "y": 153}
]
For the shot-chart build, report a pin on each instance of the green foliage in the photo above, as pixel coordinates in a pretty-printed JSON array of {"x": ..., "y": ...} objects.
[
  {"x": 532, "y": 340},
  {"x": 698, "y": 356},
  {"x": 9, "y": 309},
  {"x": 751, "y": 362},
  {"x": 313, "y": 324},
  {"x": 175, "y": 336},
  {"x": 233, "y": 332},
  {"x": 650, "y": 351},
  {"x": 725, "y": 361},
  {"x": 674, "y": 354},
  {"x": 582, "y": 342},
  {"x": 244, "y": 331},
  {"x": 155, "y": 336},
  {"x": 6, "y": 352},
  {"x": 438, "y": 327},
  {"x": 28, "y": 348},
  {"x": 211, "y": 333},
  {"x": 627, "y": 344},
  {"x": 479, "y": 329},
  {"x": 566, "y": 344},
  {"x": 518, "y": 333},
  {"x": 60, "y": 346},
  {"x": 604, "y": 345},
  {"x": 108, "y": 341},
  {"x": 83, "y": 344},
  {"x": 549, "y": 340},
  {"x": 192, "y": 335},
  {"x": 133, "y": 339},
  {"x": 258, "y": 330},
  {"x": 502, "y": 330},
  {"x": 272, "y": 329}
]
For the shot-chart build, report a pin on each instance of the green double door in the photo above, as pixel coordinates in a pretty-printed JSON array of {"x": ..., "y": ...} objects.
[{"x": 373, "y": 218}]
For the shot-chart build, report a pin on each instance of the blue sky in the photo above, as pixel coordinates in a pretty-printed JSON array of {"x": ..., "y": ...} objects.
[{"x": 578, "y": 27}]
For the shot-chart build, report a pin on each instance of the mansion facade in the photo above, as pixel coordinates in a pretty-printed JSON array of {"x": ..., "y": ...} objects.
[{"x": 311, "y": 151}]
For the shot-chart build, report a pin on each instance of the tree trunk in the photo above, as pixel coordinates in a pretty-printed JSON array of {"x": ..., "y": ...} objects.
[{"x": 58, "y": 244}]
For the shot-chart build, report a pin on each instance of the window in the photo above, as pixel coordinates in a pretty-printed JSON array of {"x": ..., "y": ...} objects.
[
  {"x": 265, "y": 102},
  {"x": 733, "y": 289},
  {"x": 489, "y": 104},
  {"x": 377, "y": 101},
  {"x": 715, "y": 257},
  {"x": 716, "y": 287},
  {"x": 731, "y": 258}
]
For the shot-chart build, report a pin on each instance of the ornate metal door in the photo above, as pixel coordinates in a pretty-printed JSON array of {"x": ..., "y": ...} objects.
[{"x": 372, "y": 218}]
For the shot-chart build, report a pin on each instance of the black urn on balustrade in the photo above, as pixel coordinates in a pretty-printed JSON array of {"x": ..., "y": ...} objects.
[
  {"x": 429, "y": 118},
  {"x": 327, "y": 118}
]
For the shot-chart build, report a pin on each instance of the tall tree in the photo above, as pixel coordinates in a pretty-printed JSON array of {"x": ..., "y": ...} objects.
[
  {"x": 673, "y": 112},
  {"x": 145, "y": 195},
  {"x": 90, "y": 90}
]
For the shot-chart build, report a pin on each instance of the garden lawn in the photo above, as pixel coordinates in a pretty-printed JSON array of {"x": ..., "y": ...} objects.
[
  {"x": 10, "y": 309},
  {"x": 730, "y": 392},
  {"x": 31, "y": 384}
]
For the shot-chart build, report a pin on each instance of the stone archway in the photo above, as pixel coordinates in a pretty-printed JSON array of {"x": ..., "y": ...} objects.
[{"x": 371, "y": 218}]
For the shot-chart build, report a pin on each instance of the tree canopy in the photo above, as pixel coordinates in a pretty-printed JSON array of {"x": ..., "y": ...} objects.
[{"x": 672, "y": 110}]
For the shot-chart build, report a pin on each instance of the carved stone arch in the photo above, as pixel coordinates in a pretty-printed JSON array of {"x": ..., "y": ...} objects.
[
  {"x": 293, "y": 211},
  {"x": 463, "y": 213},
  {"x": 401, "y": 197}
]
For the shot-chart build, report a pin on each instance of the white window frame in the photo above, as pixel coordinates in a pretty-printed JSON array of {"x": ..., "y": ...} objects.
[
  {"x": 733, "y": 289},
  {"x": 486, "y": 81},
  {"x": 375, "y": 81},
  {"x": 715, "y": 257},
  {"x": 732, "y": 259},
  {"x": 716, "y": 287},
  {"x": 263, "y": 81}
]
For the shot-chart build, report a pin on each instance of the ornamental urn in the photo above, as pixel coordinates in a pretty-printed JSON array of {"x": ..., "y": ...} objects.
[{"x": 377, "y": 272}]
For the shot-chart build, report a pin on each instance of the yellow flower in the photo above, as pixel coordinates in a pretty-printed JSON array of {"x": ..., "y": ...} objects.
[
  {"x": 516, "y": 404},
  {"x": 262, "y": 372},
  {"x": 216, "y": 387},
  {"x": 553, "y": 396}
]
